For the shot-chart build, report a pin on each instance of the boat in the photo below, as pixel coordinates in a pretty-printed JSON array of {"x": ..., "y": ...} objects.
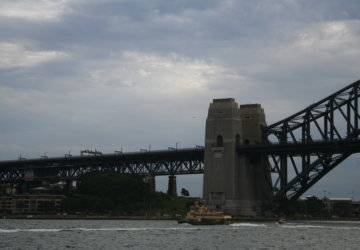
[
  {"x": 281, "y": 221},
  {"x": 202, "y": 215}
]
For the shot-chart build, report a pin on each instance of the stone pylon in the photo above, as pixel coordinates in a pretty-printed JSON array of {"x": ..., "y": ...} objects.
[
  {"x": 172, "y": 190},
  {"x": 235, "y": 183}
]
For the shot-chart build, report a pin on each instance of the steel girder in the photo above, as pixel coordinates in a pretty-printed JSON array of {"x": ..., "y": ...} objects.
[
  {"x": 301, "y": 149},
  {"x": 138, "y": 167},
  {"x": 11, "y": 176},
  {"x": 178, "y": 162},
  {"x": 304, "y": 147}
]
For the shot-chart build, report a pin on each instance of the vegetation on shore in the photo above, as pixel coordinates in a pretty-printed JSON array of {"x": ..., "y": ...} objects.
[
  {"x": 314, "y": 207},
  {"x": 112, "y": 193}
]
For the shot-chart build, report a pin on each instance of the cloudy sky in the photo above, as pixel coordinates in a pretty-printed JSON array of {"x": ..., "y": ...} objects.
[{"x": 106, "y": 74}]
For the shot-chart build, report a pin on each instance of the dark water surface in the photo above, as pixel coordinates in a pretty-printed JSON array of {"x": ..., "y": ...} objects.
[{"x": 126, "y": 234}]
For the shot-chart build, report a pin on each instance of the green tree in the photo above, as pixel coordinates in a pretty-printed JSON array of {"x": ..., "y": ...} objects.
[
  {"x": 342, "y": 209},
  {"x": 289, "y": 207},
  {"x": 113, "y": 189},
  {"x": 314, "y": 206},
  {"x": 185, "y": 192}
]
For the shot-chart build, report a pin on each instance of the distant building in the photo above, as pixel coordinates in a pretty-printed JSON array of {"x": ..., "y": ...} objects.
[
  {"x": 338, "y": 207},
  {"x": 7, "y": 189},
  {"x": 30, "y": 203},
  {"x": 355, "y": 205}
]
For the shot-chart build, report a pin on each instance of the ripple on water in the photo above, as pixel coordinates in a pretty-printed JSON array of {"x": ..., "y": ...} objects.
[{"x": 54, "y": 234}]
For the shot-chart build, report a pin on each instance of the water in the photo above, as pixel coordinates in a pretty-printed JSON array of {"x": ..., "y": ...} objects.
[{"x": 126, "y": 234}]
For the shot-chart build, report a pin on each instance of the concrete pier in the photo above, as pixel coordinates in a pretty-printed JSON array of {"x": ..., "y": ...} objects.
[
  {"x": 150, "y": 180},
  {"x": 234, "y": 183},
  {"x": 172, "y": 191}
]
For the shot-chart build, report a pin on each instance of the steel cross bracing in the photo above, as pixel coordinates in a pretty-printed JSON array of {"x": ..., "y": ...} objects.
[
  {"x": 178, "y": 162},
  {"x": 300, "y": 150},
  {"x": 304, "y": 147}
]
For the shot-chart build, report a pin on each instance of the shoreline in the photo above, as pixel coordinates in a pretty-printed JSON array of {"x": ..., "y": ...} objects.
[{"x": 105, "y": 217}]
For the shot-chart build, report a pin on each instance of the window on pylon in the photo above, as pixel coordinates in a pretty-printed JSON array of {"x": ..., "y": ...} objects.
[
  {"x": 237, "y": 139},
  {"x": 219, "y": 141}
]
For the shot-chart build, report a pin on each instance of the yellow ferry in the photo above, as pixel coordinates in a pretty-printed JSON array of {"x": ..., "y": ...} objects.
[{"x": 202, "y": 215}]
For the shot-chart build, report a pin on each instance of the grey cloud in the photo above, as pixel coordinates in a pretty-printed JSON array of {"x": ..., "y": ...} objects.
[{"x": 282, "y": 54}]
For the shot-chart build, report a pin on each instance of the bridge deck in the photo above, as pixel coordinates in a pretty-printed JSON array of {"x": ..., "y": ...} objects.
[
  {"x": 165, "y": 162},
  {"x": 334, "y": 147}
]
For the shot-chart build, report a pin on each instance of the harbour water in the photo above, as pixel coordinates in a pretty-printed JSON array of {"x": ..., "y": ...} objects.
[{"x": 135, "y": 234}]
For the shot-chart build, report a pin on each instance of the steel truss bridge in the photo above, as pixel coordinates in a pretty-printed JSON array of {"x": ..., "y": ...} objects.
[
  {"x": 153, "y": 163},
  {"x": 300, "y": 150}
]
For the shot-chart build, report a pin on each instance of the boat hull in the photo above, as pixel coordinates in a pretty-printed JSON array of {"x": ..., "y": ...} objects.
[{"x": 204, "y": 222}]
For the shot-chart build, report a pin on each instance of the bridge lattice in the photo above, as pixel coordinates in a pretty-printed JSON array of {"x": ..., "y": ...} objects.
[
  {"x": 314, "y": 141},
  {"x": 165, "y": 162},
  {"x": 300, "y": 149}
]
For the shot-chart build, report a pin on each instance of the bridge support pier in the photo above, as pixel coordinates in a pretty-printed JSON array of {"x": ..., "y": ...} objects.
[
  {"x": 68, "y": 187},
  {"x": 172, "y": 191},
  {"x": 150, "y": 180},
  {"x": 235, "y": 183}
]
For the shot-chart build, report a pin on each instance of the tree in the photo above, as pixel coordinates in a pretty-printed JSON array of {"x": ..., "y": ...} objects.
[
  {"x": 314, "y": 206},
  {"x": 342, "y": 208},
  {"x": 289, "y": 207},
  {"x": 107, "y": 189},
  {"x": 185, "y": 192}
]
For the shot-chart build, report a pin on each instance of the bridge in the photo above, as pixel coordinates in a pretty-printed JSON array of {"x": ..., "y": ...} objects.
[
  {"x": 299, "y": 149},
  {"x": 146, "y": 163}
]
